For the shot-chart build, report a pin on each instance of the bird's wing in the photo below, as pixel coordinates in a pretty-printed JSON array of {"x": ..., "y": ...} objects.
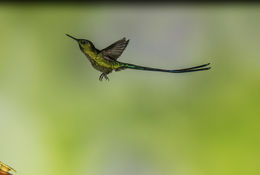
[{"x": 115, "y": 50}]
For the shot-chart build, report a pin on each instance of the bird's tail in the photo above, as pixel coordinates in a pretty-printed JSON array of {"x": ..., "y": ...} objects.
[{"x": 190, "y": 69}]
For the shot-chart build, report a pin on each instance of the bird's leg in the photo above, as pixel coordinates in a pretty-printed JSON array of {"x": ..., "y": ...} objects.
[
  {"x": 106, "y": 77},
  {"x": 102, "y": 76}
]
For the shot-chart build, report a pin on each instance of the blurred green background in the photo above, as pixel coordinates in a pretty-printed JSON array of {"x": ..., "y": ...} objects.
[{"x": 57, "y": 118}]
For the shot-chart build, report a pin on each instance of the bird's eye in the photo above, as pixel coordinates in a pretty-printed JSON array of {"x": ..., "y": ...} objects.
[{"x": 83, "y": 41}]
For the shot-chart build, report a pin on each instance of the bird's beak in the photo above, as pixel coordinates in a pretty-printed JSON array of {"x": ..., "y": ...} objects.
[{"x": 72, "y": 37}]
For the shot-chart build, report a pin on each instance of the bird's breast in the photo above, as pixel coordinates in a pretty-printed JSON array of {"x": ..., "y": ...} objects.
[{"x": 100, "y": 64}]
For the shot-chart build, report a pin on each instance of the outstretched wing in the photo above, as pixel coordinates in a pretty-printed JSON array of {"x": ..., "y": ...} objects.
[{"x": 115, "y": 50}]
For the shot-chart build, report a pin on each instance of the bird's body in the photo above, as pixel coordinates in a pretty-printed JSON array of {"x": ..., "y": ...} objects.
[
  {"x": 105, "y": 60},
  {"x": 99, "y": 62}
]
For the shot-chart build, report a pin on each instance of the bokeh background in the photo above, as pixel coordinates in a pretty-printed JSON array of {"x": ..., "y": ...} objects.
[{"x": 58, "y": 119}]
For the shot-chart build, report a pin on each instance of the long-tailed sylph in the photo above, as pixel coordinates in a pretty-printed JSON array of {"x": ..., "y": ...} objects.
[{"x": 105, "y": 60}]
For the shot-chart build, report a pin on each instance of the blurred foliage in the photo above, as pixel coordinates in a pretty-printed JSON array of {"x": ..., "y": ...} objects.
[{"x": 57, "y": 118}]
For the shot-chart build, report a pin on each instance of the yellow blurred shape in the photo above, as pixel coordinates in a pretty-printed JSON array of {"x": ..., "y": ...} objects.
[{"x": 5, "y": 168}]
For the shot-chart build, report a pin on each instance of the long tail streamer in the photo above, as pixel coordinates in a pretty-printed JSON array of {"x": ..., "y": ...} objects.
[{"x": 190, "y": 69}]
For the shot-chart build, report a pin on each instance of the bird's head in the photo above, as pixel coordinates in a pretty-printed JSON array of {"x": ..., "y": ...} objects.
[{"x": 84, "y": 45}]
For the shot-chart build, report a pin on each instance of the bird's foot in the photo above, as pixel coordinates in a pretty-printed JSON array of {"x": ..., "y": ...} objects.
[{"x": 103, "y": 75}]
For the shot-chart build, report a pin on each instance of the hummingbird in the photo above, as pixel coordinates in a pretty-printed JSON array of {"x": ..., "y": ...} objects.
[{"x": 105, "y": 60}]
